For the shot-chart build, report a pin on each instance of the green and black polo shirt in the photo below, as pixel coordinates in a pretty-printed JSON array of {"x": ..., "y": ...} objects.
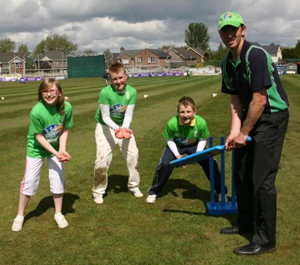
[{"x": 253, "y": 71}]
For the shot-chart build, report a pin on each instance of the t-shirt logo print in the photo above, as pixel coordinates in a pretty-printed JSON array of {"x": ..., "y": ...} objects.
[
  {"x": 118, "y": 109},
  {"x": 53, "y": 132}
]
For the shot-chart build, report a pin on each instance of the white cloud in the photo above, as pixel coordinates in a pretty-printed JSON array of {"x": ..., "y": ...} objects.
[{"x": 135, "y": 24}]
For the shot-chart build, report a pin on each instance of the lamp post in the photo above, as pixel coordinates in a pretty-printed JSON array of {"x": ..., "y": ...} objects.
[{"x": 38, "y": 62}]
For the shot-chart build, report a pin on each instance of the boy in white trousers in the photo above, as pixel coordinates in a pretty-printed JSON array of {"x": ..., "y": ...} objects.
[{"x": 114, "y": 115}]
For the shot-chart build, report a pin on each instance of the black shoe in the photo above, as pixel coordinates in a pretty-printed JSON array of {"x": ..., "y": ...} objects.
[
  {"x": 230, "y": 230},
  {"x": 253, "y": 249}
]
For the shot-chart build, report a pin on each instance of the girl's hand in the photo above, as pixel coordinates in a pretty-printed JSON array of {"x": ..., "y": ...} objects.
[{"x": 64, "y": 156}]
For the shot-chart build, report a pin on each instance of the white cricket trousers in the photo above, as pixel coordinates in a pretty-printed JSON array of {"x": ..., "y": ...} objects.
[
  {"x": 33, "y": 169},
  {"x": 105, "y": 143}
]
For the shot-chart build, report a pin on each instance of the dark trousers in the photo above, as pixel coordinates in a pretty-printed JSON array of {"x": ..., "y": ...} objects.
[
  {"x": 164, "y": 169},
  {"x": 256, "y": 169}
]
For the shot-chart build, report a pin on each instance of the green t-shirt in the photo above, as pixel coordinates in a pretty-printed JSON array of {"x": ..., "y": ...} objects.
[
  {"x": 117, "y": 102},
  {"x": 184, "y": 135},
  {"x": 46, "y": 120}
]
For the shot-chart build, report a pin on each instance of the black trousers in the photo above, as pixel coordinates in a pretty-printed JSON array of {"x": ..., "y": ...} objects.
[
  {"x": 164, "y": 169},
  {"x": 256, "y": 168}
]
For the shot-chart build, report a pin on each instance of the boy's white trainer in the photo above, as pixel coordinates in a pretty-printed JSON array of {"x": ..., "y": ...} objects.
[
  {"x": 98, "y": 199},
  {"x": 137, "y": 193},
  {"x": 151, "y": 198},
  {"x": 60, "y": 220}
]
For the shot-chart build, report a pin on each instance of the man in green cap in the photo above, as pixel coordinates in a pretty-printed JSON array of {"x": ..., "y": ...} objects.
[{"x": 259, "y": 108}]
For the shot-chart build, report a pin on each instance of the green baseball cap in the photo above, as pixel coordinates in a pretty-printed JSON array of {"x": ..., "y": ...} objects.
[{"x": 230, "y": 18}]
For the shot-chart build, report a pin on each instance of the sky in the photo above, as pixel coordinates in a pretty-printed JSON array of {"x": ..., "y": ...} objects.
[{"x": 139, "y": 24}]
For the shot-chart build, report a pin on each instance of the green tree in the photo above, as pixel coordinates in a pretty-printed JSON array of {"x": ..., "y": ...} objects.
[
  {"x": 297, "y": 49},
  {"x": 208, "y": 54},
  {"x": 23, "y": 49},
  {"x": 197, "y": 36},
  {"x": 7, "y": 45},
  {"x": 40, "y": 48},
  {"x": 106, "y": 53},
  {"x": 288, "y": 53},
  {"x": 108, "y": 57},
  {"x": 55, "y": 42},
  {"x": 164, "y": 48},
  {"x": 220, "y": 53},
  {"x": 89, "y": 52},
  {"x": 30, "y": 61}
]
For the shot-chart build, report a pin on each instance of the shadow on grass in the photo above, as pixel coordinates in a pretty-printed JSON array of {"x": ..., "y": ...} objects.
[
  {"x": 230, "y": 217},
  {"x": 193, "y": 192},
  {"x": 47, "y": 203},
  {"x": 117, "y": 183}
]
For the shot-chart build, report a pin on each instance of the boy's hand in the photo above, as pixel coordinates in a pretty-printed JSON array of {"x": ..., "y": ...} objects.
[
  {"x": 119, "y": 133},
  {"x": 180, "y": 156},
  {"x": 127, "y": 133},
  {"x": 123, "y": 133}
]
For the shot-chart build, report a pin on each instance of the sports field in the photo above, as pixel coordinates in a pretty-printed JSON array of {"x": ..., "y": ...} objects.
[{"x": 126, "y": 230}]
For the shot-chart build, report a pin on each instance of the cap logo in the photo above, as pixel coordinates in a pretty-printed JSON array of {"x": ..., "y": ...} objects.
[{"x": 228, "y": 16}]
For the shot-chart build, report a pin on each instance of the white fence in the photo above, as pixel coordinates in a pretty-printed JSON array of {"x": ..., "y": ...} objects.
[
  {"x": 46, "y": 74},
  {"x": 141, "y": 70}
]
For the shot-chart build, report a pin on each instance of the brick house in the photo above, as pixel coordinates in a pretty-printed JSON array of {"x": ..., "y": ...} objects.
[
  {"x": 198, "y": 53},
  {"x": 144, "y": 59},
  {"x": 12, "y": 63},
  {"x": 184, "y": 56},
  {"x": 180, "y": 57},
  {"x": 52, "y": 61}
]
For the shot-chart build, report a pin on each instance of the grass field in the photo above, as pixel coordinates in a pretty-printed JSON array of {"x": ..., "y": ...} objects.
[{"x": 126, "y": 230}]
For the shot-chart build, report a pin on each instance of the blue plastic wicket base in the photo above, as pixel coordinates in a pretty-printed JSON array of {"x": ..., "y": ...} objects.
[{"x": 219, "y": 208}]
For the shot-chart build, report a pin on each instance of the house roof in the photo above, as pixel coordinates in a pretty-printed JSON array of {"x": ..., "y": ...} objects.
[
  {"x": 53, "y": 56},
  {"x": 133, "y": 53},
  {"x": 6, "y": 57},
  {"x": 159, "y": 53},
  {"x": 182, "y": 52},
  {"x": 130, "y": 53},
  {"x": 17, "y": 59},
  {"x": 272, "y": 49},
  {"x": 197, "y": 50}
]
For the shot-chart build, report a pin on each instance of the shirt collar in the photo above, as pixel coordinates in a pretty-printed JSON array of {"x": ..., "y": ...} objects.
[
  {"x": 245, "y": 47},
  {"x": 193, "y": 122},
  {"x": 118, "y": 90}
]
